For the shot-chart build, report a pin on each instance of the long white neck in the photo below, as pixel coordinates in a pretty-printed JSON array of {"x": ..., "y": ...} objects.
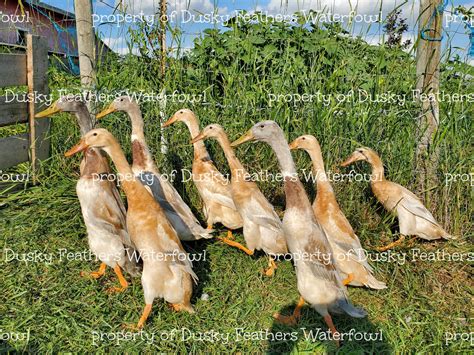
[{"x": 200, "y": 151}]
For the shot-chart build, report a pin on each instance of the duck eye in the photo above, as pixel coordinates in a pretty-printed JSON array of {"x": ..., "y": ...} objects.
[
  {"x": 181, "y": 111},
  {"x": 262, "y": 126},
  {"x": 303, "y": 138},
  {"x": 95, "y": 134},
  {"x": 211, "y": 127}
]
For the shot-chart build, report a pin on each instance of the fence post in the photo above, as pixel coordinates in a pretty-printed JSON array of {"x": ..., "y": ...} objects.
[{"x": 37, "y": 65}]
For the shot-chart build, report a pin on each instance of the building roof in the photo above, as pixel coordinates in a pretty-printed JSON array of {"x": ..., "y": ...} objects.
[{"x": 42, "y": 5}]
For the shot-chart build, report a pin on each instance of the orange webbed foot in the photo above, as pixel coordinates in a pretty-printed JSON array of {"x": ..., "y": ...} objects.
[{"x": 393, "y": 244}]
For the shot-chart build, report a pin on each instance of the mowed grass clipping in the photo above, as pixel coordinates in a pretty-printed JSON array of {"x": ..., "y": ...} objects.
[{"x": 49, "y": 307}]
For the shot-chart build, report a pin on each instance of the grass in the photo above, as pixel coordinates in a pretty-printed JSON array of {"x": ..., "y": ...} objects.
[{"x": 424, "y": 301}]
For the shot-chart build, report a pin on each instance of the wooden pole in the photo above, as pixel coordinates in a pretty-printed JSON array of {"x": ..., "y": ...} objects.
[
  {"x": 37, "y": 81},
  {"x": 86, "y": 46},
  {"x": 163, "y": 22},
  {"x": 428, "y": 56}
]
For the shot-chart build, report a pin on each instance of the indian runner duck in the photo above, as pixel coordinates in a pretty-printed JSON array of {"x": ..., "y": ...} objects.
[
  {"x": 213, "y": 188},
  {"x": 413, "y": 217},
  {"x": 101, "y": 205},
  {"x": 177, "y": 211},
  {"x": 318, "y": 280},
  {"x": 165, "y": 274},
  {"x": 263, "y": 229},
  {"x": 350, "y": 257}
]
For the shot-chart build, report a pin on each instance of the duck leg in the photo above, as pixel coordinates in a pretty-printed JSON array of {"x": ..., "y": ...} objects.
[
  {"x": 348, "y": 279},
  {"x": 123, "y": 282},
  {"x": 271, "y": 267},
  {"x": 294, "y": 318},
  {"x": 95, "y": 274},
  {"x": 332, "y": 328},
  {"x": 209, "y": 226},
  {"x": 144, "y": 317},
  {"x": 393, "y": 244},
  {"x": 236, "y": 245},
  {"x": 230, "y": 235}
]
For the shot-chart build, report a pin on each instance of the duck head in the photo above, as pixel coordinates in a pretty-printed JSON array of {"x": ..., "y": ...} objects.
[
  {"x": 305, "y": 142},
  {"x": 96, "y": 138},
  {"x": 183, "y": 115},
  {"x": 67, "y": 103},
  {"x": 363, "y": 153},
  {"x": 265, "y": 131},
  {"x": 122, "y": 103},
  {"x": 211, "y": 131}
]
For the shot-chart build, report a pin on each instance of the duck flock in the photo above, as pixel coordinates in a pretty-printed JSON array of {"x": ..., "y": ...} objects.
[{"x": 326, "y": 253}]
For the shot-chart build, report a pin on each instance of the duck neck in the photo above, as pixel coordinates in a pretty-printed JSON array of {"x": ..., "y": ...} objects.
[
  {"x": 124, "y": 170},
  {"x": 377, "y": 168},
  {"x": 283, "y": 154},
  {"x": 200, "y": 151},
  {"x": 318, "y": 168},
  {"x": 140, "y": 152},
  {"x": 83, "y": 119},
  {"x": 234, "y": 163}
]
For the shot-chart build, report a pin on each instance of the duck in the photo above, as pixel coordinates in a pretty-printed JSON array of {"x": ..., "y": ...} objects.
[
  {"x": 262, "y": 228},
  {"x": 144, "y": 167},
  {"x": 413, "y": 217},
  {"x": 165, "y": 273},
  {"x": 213, "y": 188},
  {"x": 102, "y": 208},
  {"x": 318, "y": 281},
  {"x": 350, "y": 256}
]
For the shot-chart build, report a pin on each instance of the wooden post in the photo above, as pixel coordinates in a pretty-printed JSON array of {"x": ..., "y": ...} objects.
[
  {"x": 163, "y": 21},
  {"x": 428, "y": 56},
  {"x": 86, "y": 46},
  {"x": 36, "y": 73}
]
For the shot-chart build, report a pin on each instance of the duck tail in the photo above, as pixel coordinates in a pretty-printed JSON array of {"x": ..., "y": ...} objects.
[
  {"x": 449, "y": 236},
  {"x": 375, "y": 284},
  {"x": 203, "y": 233},
  {"x": 133, "y": 262},
  {"x": 348, "y": 308}
]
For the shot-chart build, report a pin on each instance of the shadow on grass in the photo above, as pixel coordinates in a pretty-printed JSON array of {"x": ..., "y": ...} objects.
[{"x": 311, "y": 334}]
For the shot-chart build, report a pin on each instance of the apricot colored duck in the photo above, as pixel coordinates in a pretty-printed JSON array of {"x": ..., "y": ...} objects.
[
  {"x": 102, "y": 208},
  {"x": 351, "y": 258},
  {"x": 177, "y": 211},
  {"x": 164, "y": 277},
  {"x": 318, "y": 280},
  {"x": 213, "y": 188},
  {"x": 413, "y": 216},
  {"x": 263, "y": 229}
]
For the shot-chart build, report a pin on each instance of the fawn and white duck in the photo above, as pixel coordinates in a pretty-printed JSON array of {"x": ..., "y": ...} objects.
[
  {"x": 166, "y": 273},
  {"x": 413, "y": 217},
  {"x": 318, "y": 280},
  {"x": 263, "y": 229},
  {"x": 350, "y": 257},
  {"x": 213, "y": 188},
  {"x": 102, "y": 208},
  {"x": 177, "y": 211}
]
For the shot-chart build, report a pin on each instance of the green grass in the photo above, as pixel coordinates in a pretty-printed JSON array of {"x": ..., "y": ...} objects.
[{"x": 237, "y": 71}]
